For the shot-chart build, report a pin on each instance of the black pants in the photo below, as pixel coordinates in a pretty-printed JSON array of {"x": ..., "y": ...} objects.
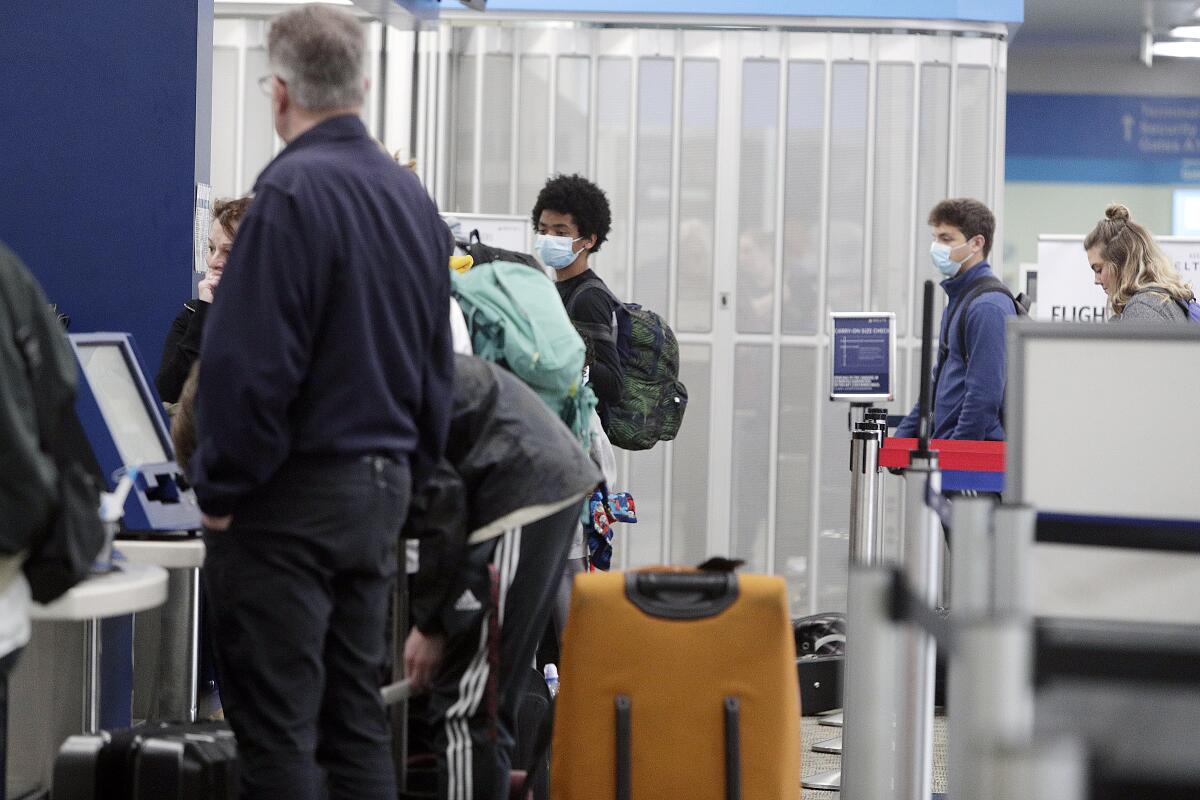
[
  {"x": 473, "y": 711},
  {"x": 7, "y": 663},
  {"x": 298, "y": 590}
]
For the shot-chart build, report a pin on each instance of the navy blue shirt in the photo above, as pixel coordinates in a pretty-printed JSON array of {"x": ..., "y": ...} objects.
[
  {"x": 970, "y": 391},
  {"x": 329, "y": 334}
]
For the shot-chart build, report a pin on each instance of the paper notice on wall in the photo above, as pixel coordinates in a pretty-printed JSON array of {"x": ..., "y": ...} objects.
[
  {"x": 1066, "y": 286},
  {"x": 201, "y": 219},
  {"x": 506, "y": 231}
]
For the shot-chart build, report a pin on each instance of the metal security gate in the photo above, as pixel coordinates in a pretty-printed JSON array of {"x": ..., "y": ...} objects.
[{"x": 758, "y": 179}]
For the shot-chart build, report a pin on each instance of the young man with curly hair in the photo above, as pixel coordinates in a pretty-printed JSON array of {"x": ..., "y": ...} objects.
[{"x": 572, "y": 220}]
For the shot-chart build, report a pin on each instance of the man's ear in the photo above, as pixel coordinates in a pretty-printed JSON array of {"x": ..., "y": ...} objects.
[
  {"x": 280, "y": 97},
  {"x": 590, "y": 243}
]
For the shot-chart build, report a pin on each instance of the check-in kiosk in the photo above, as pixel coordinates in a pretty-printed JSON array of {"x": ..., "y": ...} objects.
[{"x": 124, "y": 423}]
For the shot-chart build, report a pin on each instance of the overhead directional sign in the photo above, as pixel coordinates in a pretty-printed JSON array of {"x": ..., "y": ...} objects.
[{"x": 1062, "y": 138}]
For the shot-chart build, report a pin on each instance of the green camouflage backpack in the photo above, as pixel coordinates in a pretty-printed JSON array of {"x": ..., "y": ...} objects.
[
  {"x": 653, "y": 400},
  {"x": 517, "y": 320}
]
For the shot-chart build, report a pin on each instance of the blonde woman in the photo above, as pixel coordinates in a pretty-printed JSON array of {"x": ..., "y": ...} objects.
[{"x": 1140, "y": 281}]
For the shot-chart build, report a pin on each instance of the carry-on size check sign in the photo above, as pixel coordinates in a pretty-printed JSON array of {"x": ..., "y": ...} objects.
[{"x": 862, "y": 355}]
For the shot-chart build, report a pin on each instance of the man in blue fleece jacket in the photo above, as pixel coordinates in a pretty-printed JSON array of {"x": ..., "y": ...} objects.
[{"x": 970, "y": 373}]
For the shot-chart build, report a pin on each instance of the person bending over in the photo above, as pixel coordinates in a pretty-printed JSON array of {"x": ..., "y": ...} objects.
[{"x": 494, "y": 524}]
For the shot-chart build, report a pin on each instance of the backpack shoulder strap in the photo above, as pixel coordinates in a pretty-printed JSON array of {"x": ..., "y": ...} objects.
[
  {"x": 975, "y": 291},
  {"x": 573, "y": 298}
]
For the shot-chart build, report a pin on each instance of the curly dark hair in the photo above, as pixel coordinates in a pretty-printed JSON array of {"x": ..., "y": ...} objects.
[{"x": 583, "y": 200}]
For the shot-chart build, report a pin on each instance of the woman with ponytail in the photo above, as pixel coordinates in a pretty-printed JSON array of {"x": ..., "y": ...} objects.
[{"x": 1135, "y": 273}]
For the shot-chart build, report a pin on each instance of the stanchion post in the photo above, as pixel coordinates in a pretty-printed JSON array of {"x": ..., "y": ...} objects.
[
  {"x": 864, "y": 462},
  {"x": 991, "y": 700},
  {"x": 970, "y": 600},
  {"x": 868, "y": 759},
  {"x": 1013, "y": 593},
  {"x": 922, "y": 557},
  {"x": 857, "y": 414},
  {"x": 879, "y": 417}
]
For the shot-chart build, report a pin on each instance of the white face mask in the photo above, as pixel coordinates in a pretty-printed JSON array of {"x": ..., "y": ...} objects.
[
  {"x": 941, "y": 255},
  {"x": 556, "y": 251}
]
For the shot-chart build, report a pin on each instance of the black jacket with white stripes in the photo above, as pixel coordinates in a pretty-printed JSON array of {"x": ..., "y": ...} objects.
[{"x": 509, "y": 461}]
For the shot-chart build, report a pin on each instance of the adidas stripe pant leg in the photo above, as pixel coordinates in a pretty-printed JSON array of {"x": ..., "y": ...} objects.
[{"x": 474, "y": 724}]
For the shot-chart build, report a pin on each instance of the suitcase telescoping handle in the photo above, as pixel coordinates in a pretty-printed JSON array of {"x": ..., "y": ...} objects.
[{"x": 681, "y": 595}]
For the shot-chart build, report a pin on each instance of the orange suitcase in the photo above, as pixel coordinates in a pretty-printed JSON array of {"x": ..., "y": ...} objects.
[{"x": 677, "y": 685}]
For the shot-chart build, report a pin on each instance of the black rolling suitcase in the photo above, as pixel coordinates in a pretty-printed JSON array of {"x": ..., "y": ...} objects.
[{"x": 157, "y": 761}]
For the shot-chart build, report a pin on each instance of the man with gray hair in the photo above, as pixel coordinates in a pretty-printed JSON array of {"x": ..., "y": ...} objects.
[{"x": 324, "y": 398}]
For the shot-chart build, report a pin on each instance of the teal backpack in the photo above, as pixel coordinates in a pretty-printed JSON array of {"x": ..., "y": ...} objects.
[{"x": 517, "y": 320}]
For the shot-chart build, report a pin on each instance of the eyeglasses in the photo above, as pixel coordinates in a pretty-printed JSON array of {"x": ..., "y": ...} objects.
[{"x": 264, "y": 83}]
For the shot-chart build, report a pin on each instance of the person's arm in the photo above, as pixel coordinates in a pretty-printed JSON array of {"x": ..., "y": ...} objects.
[
  {"x": 910, "y": 426},
  {"x": 175, "y": 364},
  {"x": 985, "y": 371},
  {"x": 39, "y": 381},
  {"x": 433, "y": 419},
  {"x": 592, "y": 313},
  {"x": 438, "y": 520},
  {"x": 257, "y": 347}
]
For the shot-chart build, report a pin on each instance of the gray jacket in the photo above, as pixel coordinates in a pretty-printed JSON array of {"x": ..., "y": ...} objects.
[{"x": 1152, "y": 305}]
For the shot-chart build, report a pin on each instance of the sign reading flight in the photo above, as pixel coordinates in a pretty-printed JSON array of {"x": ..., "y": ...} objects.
[{"x": 1066, "y": 286}]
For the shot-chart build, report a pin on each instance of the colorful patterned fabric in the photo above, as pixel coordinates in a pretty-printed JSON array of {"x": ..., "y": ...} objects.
[{"x": 602, "y": 515}]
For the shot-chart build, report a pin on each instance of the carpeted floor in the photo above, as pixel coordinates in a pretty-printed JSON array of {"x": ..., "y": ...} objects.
[{"x": 811, "y": 732}]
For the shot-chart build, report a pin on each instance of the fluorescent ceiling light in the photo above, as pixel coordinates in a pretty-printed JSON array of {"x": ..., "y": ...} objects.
[
  {"x": 1186, "y": 32},
  {"x": 1177, "y": 49}
]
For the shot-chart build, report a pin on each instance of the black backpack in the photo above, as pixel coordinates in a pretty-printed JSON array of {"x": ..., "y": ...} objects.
[
  {"x": 959, "y": 322},
  {"x": 482, "y": 253},
  {"x": 974, "y": 291}
]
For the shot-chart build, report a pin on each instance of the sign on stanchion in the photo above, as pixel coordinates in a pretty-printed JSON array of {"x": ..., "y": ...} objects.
[{"x": 862, "y": 356}]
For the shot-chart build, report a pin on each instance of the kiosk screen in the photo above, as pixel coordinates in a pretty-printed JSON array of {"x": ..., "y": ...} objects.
[{"x": 122, "y": 404}]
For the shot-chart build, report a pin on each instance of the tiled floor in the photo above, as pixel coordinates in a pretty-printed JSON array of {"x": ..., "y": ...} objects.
[{"x": 812, "y": 763}]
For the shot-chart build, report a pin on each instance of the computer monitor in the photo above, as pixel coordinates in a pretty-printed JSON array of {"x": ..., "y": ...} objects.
[
  {"x": 123, "y": 421},
  {"x": 122, "y": 404}
]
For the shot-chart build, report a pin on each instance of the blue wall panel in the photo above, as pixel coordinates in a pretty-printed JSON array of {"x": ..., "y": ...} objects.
[
  {"x": 98, "y": 111},
  {"x": 1009, "y": 11}
]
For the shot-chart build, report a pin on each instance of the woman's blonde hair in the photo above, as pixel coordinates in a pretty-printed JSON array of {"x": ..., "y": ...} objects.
[
  {"x": 1138, "y": 260},
  {"x": 183, "y": 422}
]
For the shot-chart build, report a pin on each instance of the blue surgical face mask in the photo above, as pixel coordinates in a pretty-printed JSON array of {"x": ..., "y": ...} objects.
[
  {"x": 555, "y": 251},
  {"x": 940, "y": 253}
]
